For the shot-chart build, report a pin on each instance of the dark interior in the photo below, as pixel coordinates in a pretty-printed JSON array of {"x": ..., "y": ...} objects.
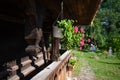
[{"x": 12, "y": 43}]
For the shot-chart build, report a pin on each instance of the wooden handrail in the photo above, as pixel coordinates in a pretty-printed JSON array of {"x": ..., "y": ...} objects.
[{"x": 57, "y": 69}]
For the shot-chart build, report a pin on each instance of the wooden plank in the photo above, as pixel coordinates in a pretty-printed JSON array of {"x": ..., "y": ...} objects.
[
  {"x": 16, "y": 77},
  {"x": 28, "y": 70},
  {"x": 40, "y": 62},
  {"x": 40, "y": 55},
  {"x": 14, "y": 68},
  {"x": 26, "y": 62}
]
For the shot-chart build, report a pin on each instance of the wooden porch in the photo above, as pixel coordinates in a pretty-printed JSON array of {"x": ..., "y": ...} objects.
[{"x": 25, "y": 27}]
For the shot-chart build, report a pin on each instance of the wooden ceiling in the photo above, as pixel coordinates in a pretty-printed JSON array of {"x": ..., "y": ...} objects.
[{"x": 82, "y": 10}]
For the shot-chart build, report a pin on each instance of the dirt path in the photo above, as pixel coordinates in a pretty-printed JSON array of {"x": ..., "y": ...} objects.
[{"x": 86, "y": 73}]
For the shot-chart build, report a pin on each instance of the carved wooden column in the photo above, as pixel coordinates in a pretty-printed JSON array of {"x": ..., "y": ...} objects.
[{"x": 33, "y": 32}]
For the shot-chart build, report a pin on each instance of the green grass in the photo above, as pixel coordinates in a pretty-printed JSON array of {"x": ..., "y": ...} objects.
[
  {"x": 105, "y": 68},
  {"x": 78, "y": 63}
]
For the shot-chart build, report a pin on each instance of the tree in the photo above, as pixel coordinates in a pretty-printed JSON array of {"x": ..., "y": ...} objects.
[{"x": 108, "y": 21}]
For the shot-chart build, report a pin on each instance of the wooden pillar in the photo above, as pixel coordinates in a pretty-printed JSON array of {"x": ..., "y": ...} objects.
[
  {"x": 55, "y": 53},
  {"x": 56, "y": 41}
]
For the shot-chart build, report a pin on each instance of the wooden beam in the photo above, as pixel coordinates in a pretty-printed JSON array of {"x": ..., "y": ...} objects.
[{"x": 11, "y": 19}]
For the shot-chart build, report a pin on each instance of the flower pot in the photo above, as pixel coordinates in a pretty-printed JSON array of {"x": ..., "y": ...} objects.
[
  {"x": 57, "y": 33},
  {"x": 70, "y": 67}
]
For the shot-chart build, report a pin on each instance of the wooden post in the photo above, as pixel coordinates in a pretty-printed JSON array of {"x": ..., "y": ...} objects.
[
  {"x": 56, "y": 41},
  {"x": 55, "y": 54}
]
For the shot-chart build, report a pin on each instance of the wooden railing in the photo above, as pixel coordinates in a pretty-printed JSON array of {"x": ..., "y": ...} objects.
[
  {"x": 21, "y": 69},
  {"x": 56, "y": 70}
]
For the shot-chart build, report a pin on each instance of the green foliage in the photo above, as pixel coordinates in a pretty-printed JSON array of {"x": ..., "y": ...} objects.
[
  {"x": 76, "y": 39},
  {"x": 115, "y": 44},
  {"x": 104, "y": 25},
  {"x": 95, "y": 30},
  {"x": 67, "y": 30},
  {"x": 70, "y": 39}
]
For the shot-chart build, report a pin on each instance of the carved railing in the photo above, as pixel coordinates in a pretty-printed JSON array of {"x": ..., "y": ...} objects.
[
  {"x": 20, "y": 68},
  {"x": 56, "y": 70}
]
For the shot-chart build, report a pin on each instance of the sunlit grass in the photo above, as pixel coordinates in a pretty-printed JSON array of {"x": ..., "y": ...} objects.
[{"x": 105, "y": 68}]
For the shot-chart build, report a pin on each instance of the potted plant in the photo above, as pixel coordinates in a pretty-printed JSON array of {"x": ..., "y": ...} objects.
[{"x": 71, "y": 63}]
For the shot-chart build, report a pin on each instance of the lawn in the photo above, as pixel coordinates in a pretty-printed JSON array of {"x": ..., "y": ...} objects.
[{"x": 105, "y": 68}]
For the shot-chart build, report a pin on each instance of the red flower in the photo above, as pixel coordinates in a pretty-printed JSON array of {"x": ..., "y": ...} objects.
[
  {"x": 80, "y": 48},
  {"x": 81, "y": 29},
  {"x": 75, "y": 29},
  {"x": 82, "y": 43},
  {"x": 88, "y": 40}
]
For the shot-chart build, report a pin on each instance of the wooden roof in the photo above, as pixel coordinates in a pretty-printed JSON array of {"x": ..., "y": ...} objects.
[{"x": 82, "y": 10}]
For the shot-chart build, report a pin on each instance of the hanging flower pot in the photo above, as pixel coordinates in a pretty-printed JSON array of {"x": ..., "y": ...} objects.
[{"x": 57, "y": 33}]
